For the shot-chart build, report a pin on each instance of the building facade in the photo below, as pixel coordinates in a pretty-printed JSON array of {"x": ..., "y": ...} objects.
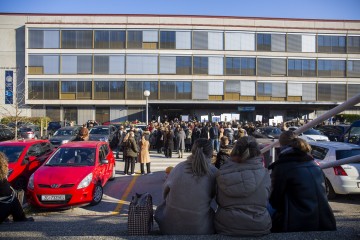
[{"x": 80, "y": 67}]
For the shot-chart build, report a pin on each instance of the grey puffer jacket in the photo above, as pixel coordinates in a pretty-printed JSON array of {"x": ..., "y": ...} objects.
[{"x": 243, "y": 191}]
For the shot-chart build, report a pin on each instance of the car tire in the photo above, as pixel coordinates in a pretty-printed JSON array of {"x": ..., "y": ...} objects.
[
  {"x": 113, "y": 173},
  {"x": 97, "y": 194},
  {"x": 329, "y": 190}
]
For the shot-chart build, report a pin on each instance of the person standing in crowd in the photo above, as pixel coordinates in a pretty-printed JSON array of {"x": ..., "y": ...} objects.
[
  {"x": 188, "y": 135},
  {"x": 120, "y": 136},
  {"x": 243, "y": 189},
  {"x": 298, "y": 195},
  {"x": 83, "y": 135},
  {"x": 159, "y": 139},
  {"x": 214, "y": 136},
  {"x": 169, "y": 142},
  {"x": 131, "y": 154},
  {"x": 144, "y": 156},
  {"x": 229, "y": 132},
  {"x": 204, "y": 131},
  {"x": 224, "y": 153},
  {"x": 187, "y": 194},
  {"x": 181, "y": 141},
  {"x": 9, "y": 203},
  {"x": 196, "y": 132}
]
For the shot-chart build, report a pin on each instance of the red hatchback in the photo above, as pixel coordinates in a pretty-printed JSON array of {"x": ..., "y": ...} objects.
[
  {"x": 74, "y": 174},
  {"x": 24, "y": 156}
]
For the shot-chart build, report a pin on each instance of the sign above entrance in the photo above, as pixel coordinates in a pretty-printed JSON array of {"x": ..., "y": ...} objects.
[{"x": 246, "y": 109}]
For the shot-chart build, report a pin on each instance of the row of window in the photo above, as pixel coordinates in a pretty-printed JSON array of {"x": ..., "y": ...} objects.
[
  {"x": 197, "y": 90},
  {"x": 188, "y": 65},
  {"x": 187, "y": 39}
]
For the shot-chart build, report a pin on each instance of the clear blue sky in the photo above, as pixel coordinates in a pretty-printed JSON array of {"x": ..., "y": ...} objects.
[{"x": 316, "y": 9}]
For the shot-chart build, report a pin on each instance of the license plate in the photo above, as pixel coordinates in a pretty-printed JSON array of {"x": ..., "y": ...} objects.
[{"x": 53, "y": 197}]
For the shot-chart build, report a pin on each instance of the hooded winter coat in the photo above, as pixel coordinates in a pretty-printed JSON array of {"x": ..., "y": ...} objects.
[
  {"x": 186, "y": 207},
  {"x": 298, "y": 194},
  {"x": 243, "y": 190}
]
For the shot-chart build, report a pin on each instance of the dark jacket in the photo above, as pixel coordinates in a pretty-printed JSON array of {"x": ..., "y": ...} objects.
[
  {"x": 214, "y": 133},
  {"x": 223, "y": 155},
  {"x": 131, "y": 147},
  {"x": 5, "y": 189},
  {"x": 299, "y": 195},
  {"x": 169, "y": 140}
]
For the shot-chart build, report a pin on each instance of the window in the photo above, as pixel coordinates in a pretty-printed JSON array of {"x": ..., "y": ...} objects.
[
  {"x": 134, "y": 39},
  {"x": 81, "y": 64},
  {"x": 183, "y": 90},
  {"x": 167, "y": 39},
  {"x": 301, "y": 67},
  {"x": 264, "y": 89},
  {"x": 183, "y": 65},
  {"x": 201, "y": 65},
  {"x": 51, "y": 90},
  {"x": 101, "y": 90},
  {"x": 101, "y": 64},
  {"x": 54, "y": 112},
  {"x": 200, "y": 40},
  {"x": 36, "y": 89},
  {"x": 44, "y": 38},
  {"x": 43, "y": 64},
  {"x": 353, "y": 89},
  {"x": 353, "y": 44},
  {"x": 84, "y": 64},
  {"x": 135, "y": 89},
  {"x": 331, "y": 92},
  {"x": 70, "y": 114},
  {"x": 102, "y": 114},
  {"x": 331, "y": 68},
  {"x": 233, "y": 66},
  {"x": 271, "y": 66},
  {"x": 68, "y": 87},
  {"x": 113, "y": 39},
  {"x": 331, "y": 44},
  {"x": 263, "y": 42},
  {"x": 80, "y": 39},
  {"x": 353, "y": 68},
  {"x": 117, "y": 90},
  {"x": 117, "y": 39},
  {"x": 84, "y": 90},
  {"x": 167, "y": 90},
  {"x": 318, "y": 153},
  {"x": 248, "y": 66},
  {"x": 141, "y": 64},
  {"x": 153, "y": 88},
  {"x": 294, "y": 67},
  {"x": 102, "y": 39}
]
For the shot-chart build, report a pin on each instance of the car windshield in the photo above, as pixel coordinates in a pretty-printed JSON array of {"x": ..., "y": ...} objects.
[
  {"x": 103, "y": 131},
  {"x": 64, "y": 133},
  {"x": 73, "y": 157},
  {"x": 12, "y": 152},
  {"x": 312, "y": 132},
  {"x": 341, "y": 154},
  {"x": 25, "y": 129},
  {"x": 355, "y": 131},
  {"x": 271, "y": 131}
]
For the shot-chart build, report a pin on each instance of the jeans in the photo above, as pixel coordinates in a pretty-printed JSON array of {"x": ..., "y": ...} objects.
[{"x": 215, "y": 144}]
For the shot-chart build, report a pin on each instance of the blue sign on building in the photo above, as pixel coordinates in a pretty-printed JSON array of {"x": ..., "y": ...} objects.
[
  {"x": 246, "y": 109},
  {"x": 9, "y": 87}
]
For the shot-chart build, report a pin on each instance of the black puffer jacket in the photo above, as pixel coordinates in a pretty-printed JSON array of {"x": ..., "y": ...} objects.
[
  {"x": 299, "y": 195},
  {"x": 223, "y": 155}
]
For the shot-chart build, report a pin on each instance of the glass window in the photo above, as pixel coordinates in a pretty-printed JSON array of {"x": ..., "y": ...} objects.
[
  {"x": 134, "y": 39},
  {"x": 264, "y": 89},
  {"x": 101, "y": 90},
  {"x": 294, "y": 67},
  {"x": 101, "y": 64},
  {"x": 183, "y": 65},
  {"x": 36, "y": 38},
  {"x": 117, "y": 90},
  {"x": 248, "y": 66},
  {"x": 117, "y": 39},
  {"x": 70, "y": 114},
  {"x": 201, "y": 65},
  {"x": 331, "y": 92},
  {"x": 36, "y": 90},
  {"x": 84, "y": 64},
  {"x": 134, "y": 90},
  {"x": 331, "y": 68},
  {"x": 309, "y": 68},
  {"x": 80, "y": 39},
  {"x": 68, "y": 87},
  {"x": 167, "y": 90},
  {"x": 68, "y": 39},
  {"x": 167, "y": 39},
  {"x": 263, "y": 42},
  {"x": 353, "y": 90},
  {"x": 52, "y": 90},
  {"x": 153, "y": 88},
  {"x": 353, "y": 44},
  {"x": 232, "y": 66},
  {"x": 341, "y": 154},
  {"x": 102, "y": 39},
  {"x": 331, "y": 44},
  {"x": 183, "y": 90},
  {"x": 84, "y": 90}
]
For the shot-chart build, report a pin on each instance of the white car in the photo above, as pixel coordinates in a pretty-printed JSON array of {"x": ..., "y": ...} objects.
[
  {"x": 344, "y": 179},
  {"x": 311, "y": 135}
]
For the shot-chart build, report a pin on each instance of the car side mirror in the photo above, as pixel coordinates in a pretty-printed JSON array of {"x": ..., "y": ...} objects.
[{"x": 104, "y": 161}]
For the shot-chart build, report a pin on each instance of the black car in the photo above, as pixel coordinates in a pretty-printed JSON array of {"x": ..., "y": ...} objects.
[
  {"x": 102, "y": 133},
  {"x": 53, "y": 127},
  {"x": 335, "y": 133},
  {"x": 6, "y": 134},
  {"x": 267, "y": 132}
]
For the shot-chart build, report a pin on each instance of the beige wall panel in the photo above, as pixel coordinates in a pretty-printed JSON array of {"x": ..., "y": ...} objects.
[
  {"x": 153, "y": 20},
  {"x": 237, "y": 22}
]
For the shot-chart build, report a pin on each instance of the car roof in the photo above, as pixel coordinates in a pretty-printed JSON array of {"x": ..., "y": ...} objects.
[
  {"x": 102, "y": 126},
  {"x": 335, "y": 145},
  {"x": 82, "y": 144},
  {"x": 24, "y": 142},
  {"x": 69, "y": 128}
]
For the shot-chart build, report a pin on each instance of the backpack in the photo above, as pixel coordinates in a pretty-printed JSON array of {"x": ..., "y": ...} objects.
[{"x": 140, "y": 216}]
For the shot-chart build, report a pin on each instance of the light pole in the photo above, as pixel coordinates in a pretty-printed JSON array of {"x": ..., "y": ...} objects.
[{"x": 147, "y": 94}]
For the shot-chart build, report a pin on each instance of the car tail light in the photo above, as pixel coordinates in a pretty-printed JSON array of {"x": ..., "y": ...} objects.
[
  {"x": 339, "y": 171},
  {"x": 29, "y": 132}
]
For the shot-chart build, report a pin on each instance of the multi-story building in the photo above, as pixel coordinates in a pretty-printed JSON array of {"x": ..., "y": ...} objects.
[{"x": 81, "y": 66}]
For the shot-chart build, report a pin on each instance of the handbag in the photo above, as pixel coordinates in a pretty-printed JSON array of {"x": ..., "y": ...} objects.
[{"x": 140, "y": 216}]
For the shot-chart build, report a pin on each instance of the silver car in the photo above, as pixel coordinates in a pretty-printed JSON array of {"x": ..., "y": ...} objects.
[
  {"x": 102, "y": 133},
  {"x": 29, "y": 132},
  {"x": 64, "y": 135}
]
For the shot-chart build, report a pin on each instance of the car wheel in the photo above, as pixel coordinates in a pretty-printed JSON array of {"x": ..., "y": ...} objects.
[
  {"x": 329, "y": 190},
  {"x": 113, "y": 174},
  {"x": 97, "y": 194}
]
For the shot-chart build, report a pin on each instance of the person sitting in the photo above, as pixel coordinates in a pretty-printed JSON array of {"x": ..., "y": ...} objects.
[
  {"x": 188, "y": 192},
  {"x": 298, "y": 195},
  {"x": 9, "y": 203},
  {"x": 243, "y": 189}
]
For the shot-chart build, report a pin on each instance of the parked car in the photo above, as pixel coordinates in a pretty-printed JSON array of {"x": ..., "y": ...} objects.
[
  {"x": 24, "y": 157},
  {"x": 6, "y": 134},
  {"x": 344, "y": 179},
  {"x": 311, "y": 135},
  {"x": 74, "y": 174},
  {"x": 64, "y": 135},
  {"x": 29, "y": 132},
  {"x": 53, "y": 127},
  {"x": 267, "y": 132},
  {"x": 335, "y": 133},
  {"x": 353, "y": 133},
  {"x": 102, "y": 133}
]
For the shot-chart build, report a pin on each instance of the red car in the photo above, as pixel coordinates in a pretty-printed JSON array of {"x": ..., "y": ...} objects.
[
  {"x": 24, "y": 156},
  {"x": 74, "y": 174}
]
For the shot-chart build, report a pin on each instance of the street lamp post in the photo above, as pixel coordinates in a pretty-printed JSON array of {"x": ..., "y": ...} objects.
[{"x": 147, "y": 94}]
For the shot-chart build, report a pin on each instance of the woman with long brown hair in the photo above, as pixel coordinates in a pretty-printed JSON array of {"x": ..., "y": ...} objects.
[{"x": 9, "y": 203}]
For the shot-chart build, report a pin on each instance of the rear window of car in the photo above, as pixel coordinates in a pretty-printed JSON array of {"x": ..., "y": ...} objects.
[
  {"x": 25, "y": 129},
  {"x": 12, "y": 152},
  {"x": 341, "y": 154},
  {"x": 319, "y": 152},
  {"x": 99, "y": 131}
]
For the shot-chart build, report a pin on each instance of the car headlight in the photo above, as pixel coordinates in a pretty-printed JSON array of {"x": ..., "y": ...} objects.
[
  {"x": 31, "y": 182},
  {"x": 10, "y": 172},
  {"x": 85, "y": 182},
  {"x": 64, "y": 141}
]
